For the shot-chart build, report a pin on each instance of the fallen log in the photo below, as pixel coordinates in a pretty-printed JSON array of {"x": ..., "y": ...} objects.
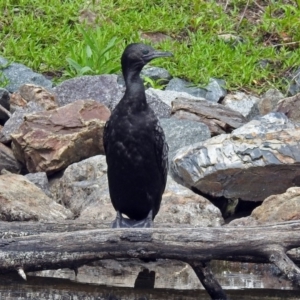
[{"x": 69, "y": 247}]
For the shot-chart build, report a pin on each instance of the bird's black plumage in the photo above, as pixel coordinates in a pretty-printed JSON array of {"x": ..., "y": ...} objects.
[{"x": 135, "y": 146}]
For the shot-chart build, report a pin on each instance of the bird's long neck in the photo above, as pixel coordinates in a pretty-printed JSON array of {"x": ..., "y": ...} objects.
[{"x": 135, "y": 96}]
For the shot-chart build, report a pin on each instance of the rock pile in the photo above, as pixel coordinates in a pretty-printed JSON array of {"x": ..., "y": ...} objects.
[{"x": 223, "y": 147}]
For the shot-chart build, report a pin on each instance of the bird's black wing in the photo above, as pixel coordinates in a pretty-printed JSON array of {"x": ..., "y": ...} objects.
[{"x": 161, "y": 149}]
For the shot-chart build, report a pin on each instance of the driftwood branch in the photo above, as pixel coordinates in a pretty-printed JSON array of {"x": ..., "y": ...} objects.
[
  {"x": 71, "y": 249},
  {"x": 30, "y": 246}
]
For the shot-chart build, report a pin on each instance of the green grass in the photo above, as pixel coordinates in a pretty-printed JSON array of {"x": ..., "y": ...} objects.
[{"x": 49, "y": 37}]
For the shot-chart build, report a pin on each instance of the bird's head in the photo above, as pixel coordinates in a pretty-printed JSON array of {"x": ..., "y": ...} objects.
[{"x": 136, "y": 56}]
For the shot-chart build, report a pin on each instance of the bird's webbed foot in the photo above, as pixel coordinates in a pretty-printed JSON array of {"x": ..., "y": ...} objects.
[{"x": 121, "y": 222}]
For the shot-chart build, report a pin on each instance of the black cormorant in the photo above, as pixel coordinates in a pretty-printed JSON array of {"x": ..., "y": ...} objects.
[{"x": 135, "y": 147}]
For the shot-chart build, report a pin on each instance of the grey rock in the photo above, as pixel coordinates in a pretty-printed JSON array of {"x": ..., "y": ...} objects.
[
  {"x": 243, "y": 103},
  {"x": 168, "y": 96},
  {"x": 104, "y": 89},
  {"x": 4, "y": 101},
  {"x": 8, "y": 161},
  {"x": 180, "y": 133},
  {"x": 24, "y": 201},
  {"x": 219, "y": 118},
  {"x": 269, "y": 101},
  {"x": 40, "y": 179},
  {"x": 18, "y": 74},
  {"x": 294, "y": 87},
  {"x": 261, "y": 126},
  {"x": 214, "y": 91},
  {"x": 83, "y": 188},
  {"x": 161, "y": 109},
  {"x": 180, "y": 205},
  {"x": 101, "y": 88},
  {"x": 279, "y": 208},
  {"x": 161, "y": 75},
  {"x": 16, "y": 119},
  {"x": 274, "y": 209},
  {"x": 255, "y": 161}
]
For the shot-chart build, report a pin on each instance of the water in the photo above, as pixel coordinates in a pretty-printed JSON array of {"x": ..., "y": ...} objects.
[{"x": 242, "y": 281}]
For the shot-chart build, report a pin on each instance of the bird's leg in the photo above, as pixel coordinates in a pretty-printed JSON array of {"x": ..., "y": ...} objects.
[
  {"x": 145, "y": 223},
  {"x": 117, "y": 223},
  {"x": 121, "y": 222}
]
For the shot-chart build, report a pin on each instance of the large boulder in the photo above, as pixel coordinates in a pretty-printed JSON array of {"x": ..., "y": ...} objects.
[
  {"x": 104, "y": 89},
  {"x": 217, "y": 117},
  {"x": 22, "y": 200},
  {"x": 279, "y": 208},
  {"x": 52, "y": 140},
  {"x": 83, "y": 188},
  {"x": 260, "y": 159}
]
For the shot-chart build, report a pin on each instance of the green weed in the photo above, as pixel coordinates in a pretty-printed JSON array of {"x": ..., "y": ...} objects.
[
  {"x": 50, "y": 36},
  {"x": 93, "y": 55}
]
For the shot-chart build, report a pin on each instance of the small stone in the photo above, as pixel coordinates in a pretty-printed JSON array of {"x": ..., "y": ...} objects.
[
  {"x": 168, "y": 96},
  {"x": 247, "y": 105},
  {"x": 290, "y": 107},
  {"x": 31, "y": 92},
  {"x": 16, "y": 101},
  {"x": 294, "y": 87},
  {"x": 269, "y": 101},
  {"x": 214, "y": 91},
  {"x": 219, "y": 118}
]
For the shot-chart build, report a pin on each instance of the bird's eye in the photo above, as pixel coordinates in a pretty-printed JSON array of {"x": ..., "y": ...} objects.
[{"x": 145, "y": 51}]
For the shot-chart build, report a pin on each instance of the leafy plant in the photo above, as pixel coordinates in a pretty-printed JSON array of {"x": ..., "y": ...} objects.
[
  {"x": 94, "y": 55},
  {"x": 155, "y": 84}
]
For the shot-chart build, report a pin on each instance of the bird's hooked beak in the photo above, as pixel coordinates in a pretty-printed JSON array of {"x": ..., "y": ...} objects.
[{"x": 156, "y": 54}]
